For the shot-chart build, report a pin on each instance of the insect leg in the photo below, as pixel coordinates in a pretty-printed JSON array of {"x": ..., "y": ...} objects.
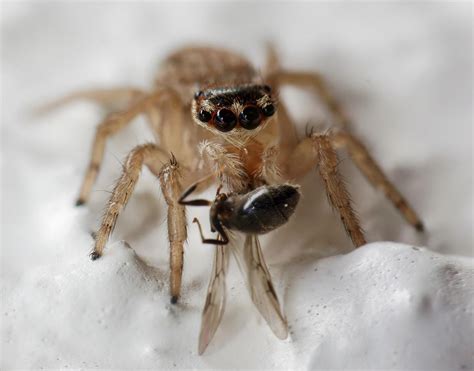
[
  {"x": 111, "y": 125},
  {"x": 367, "y": 165},
  {"x": 212, "y": 241},
  {"x": 191, "y": 189}
]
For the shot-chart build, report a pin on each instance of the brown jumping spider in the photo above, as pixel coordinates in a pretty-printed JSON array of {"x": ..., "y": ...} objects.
[{"x": 223, "y": 123}]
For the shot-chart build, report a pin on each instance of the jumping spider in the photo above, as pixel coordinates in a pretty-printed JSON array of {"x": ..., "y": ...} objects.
[{"x": 222, "y": 121}]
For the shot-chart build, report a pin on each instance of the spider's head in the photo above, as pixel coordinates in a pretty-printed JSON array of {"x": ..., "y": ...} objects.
[{"x": 236, "y": 112}]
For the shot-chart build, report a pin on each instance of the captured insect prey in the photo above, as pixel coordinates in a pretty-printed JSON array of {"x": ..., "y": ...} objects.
[{"x": 257, "y": 212}]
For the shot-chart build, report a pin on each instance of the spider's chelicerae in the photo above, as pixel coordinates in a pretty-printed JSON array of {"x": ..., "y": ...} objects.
[{"x": 215, "y": 118}]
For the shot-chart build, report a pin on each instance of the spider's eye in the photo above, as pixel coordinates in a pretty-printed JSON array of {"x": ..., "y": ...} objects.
[
  {"x": 250, "y": 118},
  {"x": 225, "y": 120},
  {"x": 268, "y": 110},
  {"x": 267, "y": 89},
  {"x": 198, "y": 94},
  {"x": 204, "y": 116}
]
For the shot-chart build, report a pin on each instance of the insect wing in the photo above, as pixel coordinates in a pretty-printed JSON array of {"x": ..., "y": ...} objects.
[
  {"x": 259, "y": 283},
  {"x": 215, "y": 299}
]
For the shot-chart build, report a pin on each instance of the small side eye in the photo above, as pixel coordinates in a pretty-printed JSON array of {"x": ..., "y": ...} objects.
[
  {"x": 250, "y": 118},
  {"x": 204, "y": 116},
  {"x": 225, "y": 120},
  {"x": 267, "y": 89},
  {"x": 268, "y": 110},
  {"x": 198, "y": 94}
]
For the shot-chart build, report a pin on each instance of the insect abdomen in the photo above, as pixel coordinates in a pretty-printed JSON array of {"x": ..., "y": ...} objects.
[{"x": 265, "y": 209}]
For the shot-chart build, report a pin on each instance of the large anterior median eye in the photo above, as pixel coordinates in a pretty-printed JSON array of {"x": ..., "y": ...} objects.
[
  {"x": 250, "y": 117},
  {"x": 225, "y": 120}
]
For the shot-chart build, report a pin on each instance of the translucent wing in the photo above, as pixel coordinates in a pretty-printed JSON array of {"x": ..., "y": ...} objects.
[
  {"x": 215, "y": 299},
  {"x": 260, "y": 285}
]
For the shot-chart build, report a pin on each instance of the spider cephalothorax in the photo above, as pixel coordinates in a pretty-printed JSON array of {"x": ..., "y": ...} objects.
[{"x": 240, "y": 110}]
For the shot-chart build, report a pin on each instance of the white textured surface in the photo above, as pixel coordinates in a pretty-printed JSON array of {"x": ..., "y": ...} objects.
[
  {"x": 383, "y": 306},
  {"x": 404, "y": 74}
]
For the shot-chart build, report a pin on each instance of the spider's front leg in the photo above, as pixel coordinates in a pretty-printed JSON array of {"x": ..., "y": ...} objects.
[
  {"x": 171, "y": 187},
  {"x": 318, "y": 149},
  {"x": 169, "y": 175},
  {"x": 339, "y": 197}
]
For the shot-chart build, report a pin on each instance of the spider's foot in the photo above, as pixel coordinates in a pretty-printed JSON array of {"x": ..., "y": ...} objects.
[
  {"x": 174, "y": 299},
  {"x": 420, "y": 227},
  {"x": 94, "y": 255},
  {"x": 80, "y": 202}
]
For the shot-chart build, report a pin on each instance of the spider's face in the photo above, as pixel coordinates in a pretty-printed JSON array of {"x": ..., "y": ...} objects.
[{"x": 235, "y": 112}]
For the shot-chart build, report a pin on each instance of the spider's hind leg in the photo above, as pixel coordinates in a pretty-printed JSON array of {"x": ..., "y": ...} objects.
[
  {"x": 110, "y": 99},
  {"x": 316, "y": 83}
]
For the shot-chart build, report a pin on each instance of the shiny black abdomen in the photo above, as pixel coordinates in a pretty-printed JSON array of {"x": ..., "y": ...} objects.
[{"x": 262, "y": 210}]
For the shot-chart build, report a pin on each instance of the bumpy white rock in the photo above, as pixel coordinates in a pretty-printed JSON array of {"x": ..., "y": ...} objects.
[{"x": 384, "y": 305}]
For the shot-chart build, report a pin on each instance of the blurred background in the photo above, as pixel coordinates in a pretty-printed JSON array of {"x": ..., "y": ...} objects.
[{"x": 402, "y": 70}]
